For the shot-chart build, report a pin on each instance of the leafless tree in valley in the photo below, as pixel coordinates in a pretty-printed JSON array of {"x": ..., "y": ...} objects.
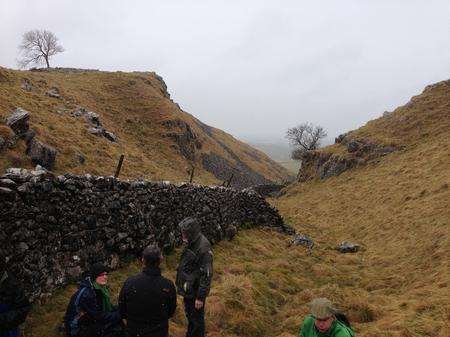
[
  {"x": 305, "y": 137},
  {"x": 37, "y": 47}
]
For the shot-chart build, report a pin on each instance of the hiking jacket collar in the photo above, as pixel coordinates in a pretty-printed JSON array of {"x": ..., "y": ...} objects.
[
  {"x": 195, "y": 240},
  {"x": 152, "y": 271}
]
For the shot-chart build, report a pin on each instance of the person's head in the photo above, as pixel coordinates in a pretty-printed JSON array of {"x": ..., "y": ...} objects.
[
  {"x": 99, "y": 273},
  {"x": 152, "y": 256},
  {"x": 323, "y": 312},
  {"x": 190, "y": 229}
]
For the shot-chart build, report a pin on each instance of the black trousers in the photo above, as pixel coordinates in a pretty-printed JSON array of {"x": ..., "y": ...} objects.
[
  {"x": 99, "y": 330},
  {"x": 139, "y": 330},
  {"x": 196, "y": 318}
]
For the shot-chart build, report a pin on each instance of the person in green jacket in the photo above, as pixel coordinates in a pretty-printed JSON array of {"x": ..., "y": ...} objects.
[{"x": 322, "y": 321}]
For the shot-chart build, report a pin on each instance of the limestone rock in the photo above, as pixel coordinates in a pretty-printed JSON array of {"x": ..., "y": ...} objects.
[
  {"x": 302, "y": 240},
  {"x": 5, "y": 182},
  {"x": 353, "y": 146},
  {"x": 348, "y": 247},
  {"x": 53, "y": 92},
  {"x": 18, "y": 121},
  {"x": 22, "y": 247},
  {"x": 98, "y": 131},
  {"x": 93, "y": 118},
  {"x": 41, "y": 153},
  {"x": 29, "y": 135},
  {"x": 6, "y": 191},
  {"x": 110, "y": 136},
  {"x": 64, "y": 223},
  {"x": 340, "y": 139},
  {"x": 26, "y": 85}
]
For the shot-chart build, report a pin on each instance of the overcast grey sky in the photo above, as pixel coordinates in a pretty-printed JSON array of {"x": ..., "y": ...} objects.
[{"x": 254, "y": 68}]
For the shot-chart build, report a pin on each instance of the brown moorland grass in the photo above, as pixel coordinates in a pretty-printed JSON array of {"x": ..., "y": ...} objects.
[
  {"x": 396, "y": 207},
  {"x": 133, "y": 106},
  {"x": 398, "y": 285}
]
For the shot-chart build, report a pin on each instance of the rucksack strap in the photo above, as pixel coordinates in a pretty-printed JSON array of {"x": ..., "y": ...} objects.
[
  {"x": 73, "y": 328},
  {"x": 77, "y": 300},
  {"x": 341, "y": 317}
]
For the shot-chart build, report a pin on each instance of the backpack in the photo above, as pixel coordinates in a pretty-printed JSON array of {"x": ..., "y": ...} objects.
[
  {"x": 341, "y": 317},
  {"x": 73, "y": 314}
]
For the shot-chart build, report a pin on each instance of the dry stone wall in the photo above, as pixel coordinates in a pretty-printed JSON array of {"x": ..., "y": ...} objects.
[{"x": 53, "y": 227}]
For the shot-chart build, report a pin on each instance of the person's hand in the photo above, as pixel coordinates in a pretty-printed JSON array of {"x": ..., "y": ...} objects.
[{"x": 198, "y": 304}]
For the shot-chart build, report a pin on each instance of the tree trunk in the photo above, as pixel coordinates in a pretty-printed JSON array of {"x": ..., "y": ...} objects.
[{"x": 46, "y": 61}]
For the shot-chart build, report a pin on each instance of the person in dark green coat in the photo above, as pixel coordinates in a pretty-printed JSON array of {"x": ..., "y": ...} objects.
[{"x": 322, "y": 321}]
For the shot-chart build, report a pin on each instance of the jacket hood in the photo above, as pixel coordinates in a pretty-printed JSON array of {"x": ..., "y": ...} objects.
[
  {"x": 86, "y": 283},
  {"x": 191, "y": 228}
]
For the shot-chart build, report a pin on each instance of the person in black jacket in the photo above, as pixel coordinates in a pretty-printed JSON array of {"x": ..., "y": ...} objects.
[
  {"x": 194, "y": 275},
  {"x": 14, "y": 305},
  {"x": 147, "y": 300},
  {"x": 90, "y": 312}
]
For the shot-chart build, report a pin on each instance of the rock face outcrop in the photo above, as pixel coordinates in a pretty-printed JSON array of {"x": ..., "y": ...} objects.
[
  {"x": 325, "y": 164},
  {"x": 240, "y": 174},
  {"x": 185, "y": 138},
  {"x": 53, "y": 227},
  {"x": 96, "y": 125}
]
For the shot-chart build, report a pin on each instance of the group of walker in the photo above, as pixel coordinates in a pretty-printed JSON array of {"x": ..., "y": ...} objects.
[{"x": 148, "y": 300}]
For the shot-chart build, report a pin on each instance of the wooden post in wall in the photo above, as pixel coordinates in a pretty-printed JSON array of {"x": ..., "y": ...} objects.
[
  {"x": 229, "y": 180},
  {"x": 191, "y": 178},
  {"x": 119, "y": 166}
]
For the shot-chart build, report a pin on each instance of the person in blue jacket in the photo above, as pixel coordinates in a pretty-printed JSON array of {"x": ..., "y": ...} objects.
[
  {"x": 14, "y": 305},
  {"x": 90, "y": 312}
]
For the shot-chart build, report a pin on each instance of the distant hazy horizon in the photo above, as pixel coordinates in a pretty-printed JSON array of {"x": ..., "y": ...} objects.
[{"x": 254, "y": 68}]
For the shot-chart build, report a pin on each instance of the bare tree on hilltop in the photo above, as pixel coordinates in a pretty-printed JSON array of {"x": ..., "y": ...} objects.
[
  {"x": 37, "y": 47},
  {"x": 305, "y": 137}
]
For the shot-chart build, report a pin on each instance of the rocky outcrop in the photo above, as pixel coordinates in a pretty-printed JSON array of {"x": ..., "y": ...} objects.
[
  {"x": 321, "y": 164},
  {"x": 18, "y": 121},
  {"x": 163, "y": 85},
  {"x": 224, "y": 168},
  {"x": 41, "y": 154},
  {"x": 53, "y": 227},
  {"x": 96, "y": 127},
  {"x": 64, "y": 70},
  {"x": 240, "y": 176},
  {"x": 185, "y": 138}
]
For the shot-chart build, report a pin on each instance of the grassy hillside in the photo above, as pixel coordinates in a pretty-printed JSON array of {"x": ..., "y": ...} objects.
[
  {"x": 159, "y": 140},
  {"x": 396, "y": 207}
]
